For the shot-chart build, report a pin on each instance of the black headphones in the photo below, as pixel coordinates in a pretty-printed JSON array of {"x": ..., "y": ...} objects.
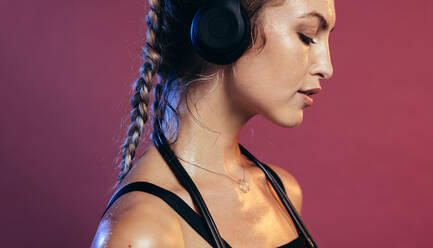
[{"x": 220, "y": 31}]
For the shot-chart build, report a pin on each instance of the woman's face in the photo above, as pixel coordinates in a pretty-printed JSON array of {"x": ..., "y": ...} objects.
[{"x": 266, "y": 82}]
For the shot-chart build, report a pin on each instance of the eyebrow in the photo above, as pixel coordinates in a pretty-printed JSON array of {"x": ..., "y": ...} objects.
[{"x": 324, "y": 25}]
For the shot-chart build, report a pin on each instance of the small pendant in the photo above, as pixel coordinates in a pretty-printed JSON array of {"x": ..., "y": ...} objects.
[{"x": 243, "y": 185}]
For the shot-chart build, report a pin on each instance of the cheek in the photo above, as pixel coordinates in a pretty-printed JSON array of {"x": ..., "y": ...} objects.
[
  {"x": 275, "y": 73},
  {"x": 286, "y": 63}
]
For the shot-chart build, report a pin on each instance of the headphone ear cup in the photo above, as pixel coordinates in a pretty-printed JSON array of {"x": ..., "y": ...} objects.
[{"x": 220, "y": 31}]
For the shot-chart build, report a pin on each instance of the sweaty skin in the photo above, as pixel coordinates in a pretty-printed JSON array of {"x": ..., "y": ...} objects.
[{"x": 262, "y": 82}]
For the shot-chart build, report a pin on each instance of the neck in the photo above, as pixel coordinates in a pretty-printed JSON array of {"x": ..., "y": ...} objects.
[{"x": 208, "y": 133}]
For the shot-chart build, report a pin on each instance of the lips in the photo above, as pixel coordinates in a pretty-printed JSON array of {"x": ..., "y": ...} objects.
[
  {"x": 307, "y": 100},
  {"x": 306, "y": 93},
  {"x": 310, "y": 91}
]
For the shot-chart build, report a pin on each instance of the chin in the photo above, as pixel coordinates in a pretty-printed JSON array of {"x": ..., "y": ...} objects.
[{"x": 290, "y": 120}]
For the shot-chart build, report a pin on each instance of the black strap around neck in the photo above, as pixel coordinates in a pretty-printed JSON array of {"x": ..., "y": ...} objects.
[
  {"x": 299, "y": 224},
  {"x": 186, "y": 182}
]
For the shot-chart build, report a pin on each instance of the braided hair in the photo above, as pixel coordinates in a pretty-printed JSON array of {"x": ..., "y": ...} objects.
[{"x": 169, "y": 54}]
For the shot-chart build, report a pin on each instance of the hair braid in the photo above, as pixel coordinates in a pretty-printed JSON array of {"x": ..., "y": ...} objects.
[
  {"x": 157, "y": 110},
  {"x": 142, "y": 87}
]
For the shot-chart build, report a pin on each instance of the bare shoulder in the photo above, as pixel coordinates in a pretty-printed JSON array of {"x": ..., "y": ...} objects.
[
  {"x": 293, "y": 188},
  {"x": 139, "y": 220}
]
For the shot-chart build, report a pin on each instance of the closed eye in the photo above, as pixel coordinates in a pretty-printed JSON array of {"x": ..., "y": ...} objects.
[{"x": 307, "y": 40}]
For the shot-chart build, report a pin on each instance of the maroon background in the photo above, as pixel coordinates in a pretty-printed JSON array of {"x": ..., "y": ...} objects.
[{"x": 363, "y": 154}]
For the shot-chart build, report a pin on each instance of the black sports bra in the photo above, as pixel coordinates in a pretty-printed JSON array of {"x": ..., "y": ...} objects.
[{"x": 188, "y": 214}]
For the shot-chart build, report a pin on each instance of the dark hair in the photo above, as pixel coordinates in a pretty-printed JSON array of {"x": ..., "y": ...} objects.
[{"x": 169, "y": 54}]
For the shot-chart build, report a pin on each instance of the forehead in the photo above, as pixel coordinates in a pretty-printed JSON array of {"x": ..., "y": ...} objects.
[{"x": 298, "y": 8}]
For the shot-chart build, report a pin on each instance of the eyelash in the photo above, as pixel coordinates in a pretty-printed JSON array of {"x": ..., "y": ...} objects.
[{"x": 307, "y": 40}]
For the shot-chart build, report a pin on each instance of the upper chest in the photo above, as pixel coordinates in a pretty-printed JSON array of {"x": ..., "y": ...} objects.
[{"x": 255, "y": 219}]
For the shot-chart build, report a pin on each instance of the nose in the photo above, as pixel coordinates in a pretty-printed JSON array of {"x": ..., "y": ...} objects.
[{"x": 323, "y": 65}]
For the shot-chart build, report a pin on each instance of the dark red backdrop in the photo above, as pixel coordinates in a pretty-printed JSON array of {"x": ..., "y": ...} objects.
[{"x": 363, "y": 154}]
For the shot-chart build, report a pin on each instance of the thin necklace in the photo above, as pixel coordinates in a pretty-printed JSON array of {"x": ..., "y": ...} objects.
[{"x": 243, "y": 185}]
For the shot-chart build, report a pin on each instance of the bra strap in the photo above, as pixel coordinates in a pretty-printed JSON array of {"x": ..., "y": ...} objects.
[{"x": 183, "y": 209}]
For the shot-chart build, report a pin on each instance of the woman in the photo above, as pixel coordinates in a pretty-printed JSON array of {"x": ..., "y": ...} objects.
[{"x": 203, "y": 188}]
